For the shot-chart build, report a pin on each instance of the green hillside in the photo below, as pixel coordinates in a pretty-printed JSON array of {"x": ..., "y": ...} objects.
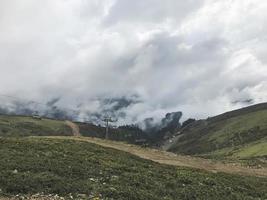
[
  {"x": 15, "y": 126},
  {"x": 237, "y": 134},
  {"x": 80, "y": 169}
]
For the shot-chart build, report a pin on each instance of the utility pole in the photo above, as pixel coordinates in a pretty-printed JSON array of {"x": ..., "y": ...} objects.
[{"x": 107, "y": 120}]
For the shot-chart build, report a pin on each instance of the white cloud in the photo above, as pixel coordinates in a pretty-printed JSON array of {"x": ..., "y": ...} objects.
[{"x": 195, "y": 56}]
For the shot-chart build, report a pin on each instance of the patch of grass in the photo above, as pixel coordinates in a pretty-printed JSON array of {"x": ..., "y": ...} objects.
[
  {"x": 240, "y": 127},
  {"x": 258, "y": 149},
  {"x": 14, "y": 126},
  {"x": 34, "y": 165},
  {"x": 248, "y": 151}
]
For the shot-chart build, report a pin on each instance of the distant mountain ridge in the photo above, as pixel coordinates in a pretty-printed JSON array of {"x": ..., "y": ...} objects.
[
  {"x": 237, "y": 112},
  {"x": 239, "y": 134}
]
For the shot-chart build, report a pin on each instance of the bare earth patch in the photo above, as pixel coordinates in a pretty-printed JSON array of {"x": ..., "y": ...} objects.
[{"x": 74, "y": 128}]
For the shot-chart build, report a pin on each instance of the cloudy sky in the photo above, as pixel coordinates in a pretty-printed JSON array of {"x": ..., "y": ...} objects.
[{"x": 201, "y": 57}]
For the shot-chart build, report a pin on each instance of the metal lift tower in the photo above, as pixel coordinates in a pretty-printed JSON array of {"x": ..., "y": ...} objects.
[{"x": 107, "y": 120}]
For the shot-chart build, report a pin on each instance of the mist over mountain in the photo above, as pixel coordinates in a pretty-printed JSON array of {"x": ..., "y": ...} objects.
[
  {"x": 116, "y": 108},
  {"x": 201, "y": 57},
  {"x": 79, "y": 78},
  {"x": 49, "y": 109},
  {"x": 171, "y": 120},
  {"x": 158, "y": 130}
]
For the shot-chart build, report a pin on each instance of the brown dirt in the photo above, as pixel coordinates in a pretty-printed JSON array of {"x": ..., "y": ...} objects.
[
  {"x": 168, "y": 158},
  {"x": 75, "y": 128}
]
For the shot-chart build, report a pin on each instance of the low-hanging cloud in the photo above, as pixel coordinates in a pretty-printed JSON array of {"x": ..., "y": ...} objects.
[{"x": 134, "y": 59}]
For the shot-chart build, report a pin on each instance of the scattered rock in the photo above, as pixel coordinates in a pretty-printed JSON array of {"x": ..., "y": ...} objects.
[{"x": 82, "y": 195}]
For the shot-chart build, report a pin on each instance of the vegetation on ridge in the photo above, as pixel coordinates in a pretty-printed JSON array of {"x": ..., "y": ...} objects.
[{"x": 240, "y": 134}]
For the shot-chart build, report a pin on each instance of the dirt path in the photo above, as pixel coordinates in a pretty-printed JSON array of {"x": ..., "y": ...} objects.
[
  {"x": 168, "y": 158},
  {"x": 74, "y": 127}
]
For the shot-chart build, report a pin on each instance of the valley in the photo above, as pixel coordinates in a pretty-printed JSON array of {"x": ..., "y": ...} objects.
[{"x": 217, "y": 158}]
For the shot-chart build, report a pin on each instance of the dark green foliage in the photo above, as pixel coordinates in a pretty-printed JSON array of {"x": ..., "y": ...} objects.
[
  {"x": 127, "y": 133},
  {"x": 31, "y": 165}
]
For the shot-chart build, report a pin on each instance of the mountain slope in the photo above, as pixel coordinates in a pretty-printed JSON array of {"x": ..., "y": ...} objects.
[
  {"x": 241, "y": 133},
  {"x": 14, "y": 126},
  {"x": 59, "y": 166},
  {"x": 11, "y": 125}
]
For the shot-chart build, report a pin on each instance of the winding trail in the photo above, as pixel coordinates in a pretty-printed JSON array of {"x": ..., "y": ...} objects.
[
  {"x": 74, "y": 127},
  {"x": 168, "y": 158}
]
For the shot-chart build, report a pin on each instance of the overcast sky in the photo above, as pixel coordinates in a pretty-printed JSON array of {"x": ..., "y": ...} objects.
[{"x": 201, "y": 57}]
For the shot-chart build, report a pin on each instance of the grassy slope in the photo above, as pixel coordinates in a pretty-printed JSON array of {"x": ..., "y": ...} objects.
[
  {"x": 249, "y": 151},
  {"x": 25, "y": 126},
  {"x": 31, "y": 165},
  {"x": 11, "y": 125},
  {"x": 239, "y": 134}
]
